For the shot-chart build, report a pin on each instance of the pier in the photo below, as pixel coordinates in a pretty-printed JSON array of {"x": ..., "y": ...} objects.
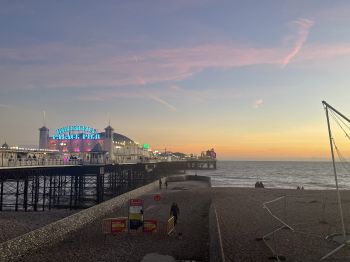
[{"x": 40, "y": 188}]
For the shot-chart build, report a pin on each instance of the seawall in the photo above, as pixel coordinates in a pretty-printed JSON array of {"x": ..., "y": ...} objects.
[{"x": 60, "y": 230}]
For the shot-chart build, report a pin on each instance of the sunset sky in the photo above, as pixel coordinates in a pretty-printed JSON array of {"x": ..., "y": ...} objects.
[{"x": 243, "y": 77}]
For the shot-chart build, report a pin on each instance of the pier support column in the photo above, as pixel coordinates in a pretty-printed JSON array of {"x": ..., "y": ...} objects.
[
  {"x": 25, "y": 195},
  {"x": 99, "y": 185}
]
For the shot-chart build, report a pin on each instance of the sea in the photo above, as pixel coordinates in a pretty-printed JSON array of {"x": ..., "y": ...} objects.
[{"x": 278, "y": 174}]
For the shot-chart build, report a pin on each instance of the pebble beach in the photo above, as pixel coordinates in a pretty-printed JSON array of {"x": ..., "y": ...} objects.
[{"x": 242, "y": 220}]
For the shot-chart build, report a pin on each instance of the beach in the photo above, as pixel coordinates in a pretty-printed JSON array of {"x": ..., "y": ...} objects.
[
  {"x": 242, "y": 221},
  {"x": 13, "y": 224}
]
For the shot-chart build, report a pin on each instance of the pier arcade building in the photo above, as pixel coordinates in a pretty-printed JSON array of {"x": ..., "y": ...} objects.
[{"x": 90, "y": 146}]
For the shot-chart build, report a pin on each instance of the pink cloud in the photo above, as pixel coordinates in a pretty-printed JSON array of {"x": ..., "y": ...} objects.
[
  {"x": 57, "y": 65},
  {"x": 88, "y": 67},
  {"x": 303, "y": 29}
]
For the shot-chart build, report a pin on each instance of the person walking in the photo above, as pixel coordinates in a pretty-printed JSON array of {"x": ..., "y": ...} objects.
[
  {"x": 160, "y": 183},
  {"x": 174, "y": 211},
  {"x": 166, "y": 184}
]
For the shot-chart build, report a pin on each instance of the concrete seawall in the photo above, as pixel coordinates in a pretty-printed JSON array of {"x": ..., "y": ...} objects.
[
  {"x": 216, "y": 252},
  {"x": 60, "y": 230},
  {"x": 188, "y": 177}
]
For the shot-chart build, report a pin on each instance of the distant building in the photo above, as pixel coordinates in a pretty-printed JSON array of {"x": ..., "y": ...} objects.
[{"x": 209, "y": 154}]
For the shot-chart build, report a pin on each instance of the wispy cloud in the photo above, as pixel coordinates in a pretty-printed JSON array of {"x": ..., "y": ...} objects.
[
  {"x": 303, "y": 28},
  {"x": 59, "y": 66},
  {"x": 258, "y": 103},
  {"x": 163, "y": 102}
]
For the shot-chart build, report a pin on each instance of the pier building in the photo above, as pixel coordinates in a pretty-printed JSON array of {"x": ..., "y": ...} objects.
[{"x": 90, "y": 146}]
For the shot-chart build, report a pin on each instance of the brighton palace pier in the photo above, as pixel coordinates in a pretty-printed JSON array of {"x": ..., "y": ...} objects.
[
  {"x": 78, "y": 167},
  {"x": 77, "y": 144}
]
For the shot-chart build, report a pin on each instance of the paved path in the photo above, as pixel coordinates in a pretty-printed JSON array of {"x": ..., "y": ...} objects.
[{"x": 191, "y": 240}]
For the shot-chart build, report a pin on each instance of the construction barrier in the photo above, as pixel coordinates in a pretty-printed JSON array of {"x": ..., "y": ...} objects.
[
  {"x": 115, "y": 225},
  {"x": 150, "y": 226},
  {"x": 119, "y": 225},
  {"x": 170, "y": 225}
]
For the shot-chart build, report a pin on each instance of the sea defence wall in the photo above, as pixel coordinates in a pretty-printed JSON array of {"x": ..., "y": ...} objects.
[
  {"x": 61, "y": 230},
  {"x": 180, "y": 178},
  {"x": 215, "y": 249}
]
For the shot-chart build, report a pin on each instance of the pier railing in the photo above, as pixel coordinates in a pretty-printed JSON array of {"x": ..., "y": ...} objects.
[
  {"x": 32, "y": 162},
  {"x": 40, "y": 162}
]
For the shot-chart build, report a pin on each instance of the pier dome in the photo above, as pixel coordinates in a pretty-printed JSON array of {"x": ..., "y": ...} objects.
[{"x": 119, "y": 138}]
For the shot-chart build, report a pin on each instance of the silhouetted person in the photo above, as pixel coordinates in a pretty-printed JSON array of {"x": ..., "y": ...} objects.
[
  {"x": 160, "y": 183},
  {"x": 174, "y": 211},
  {"x": 166, "y": 184}
]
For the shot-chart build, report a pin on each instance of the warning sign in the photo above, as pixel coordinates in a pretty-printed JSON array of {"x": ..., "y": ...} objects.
[
  {"x": 119, "y": 225},
  {"x": 156, "y": 197},
  {"x": 135, "y": 213},
  {"x": 150, "y": 226}
]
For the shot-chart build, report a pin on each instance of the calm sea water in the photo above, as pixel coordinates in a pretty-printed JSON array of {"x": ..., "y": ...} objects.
[{"x": 310, "y": 175}]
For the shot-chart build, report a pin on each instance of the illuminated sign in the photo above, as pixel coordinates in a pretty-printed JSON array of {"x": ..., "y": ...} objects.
[
  {"x": 145, "y": 146},
  {"x": 76, "y": 133}
]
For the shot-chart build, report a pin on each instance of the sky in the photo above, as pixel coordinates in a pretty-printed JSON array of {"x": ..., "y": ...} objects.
[{"x": 243, "y": 77}]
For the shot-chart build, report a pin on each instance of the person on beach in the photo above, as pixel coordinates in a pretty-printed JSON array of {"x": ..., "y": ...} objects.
[
  {"x": 174, "y": 211},
  {"x": 259, "y": 184},
  {"x": 160, "y": 183}
]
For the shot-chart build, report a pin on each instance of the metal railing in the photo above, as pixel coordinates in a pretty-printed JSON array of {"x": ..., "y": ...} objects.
[{"x": 39, "y": 162}]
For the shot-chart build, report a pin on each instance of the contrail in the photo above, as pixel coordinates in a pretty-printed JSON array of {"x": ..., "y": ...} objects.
[{"x": 161, "y": 101}]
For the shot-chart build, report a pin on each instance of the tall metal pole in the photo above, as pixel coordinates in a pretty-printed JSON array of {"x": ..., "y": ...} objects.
[{"x": 335, "y": 173}]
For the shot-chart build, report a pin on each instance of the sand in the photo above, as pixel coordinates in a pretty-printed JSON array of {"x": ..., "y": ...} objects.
[{"x": 243, "y": 222}]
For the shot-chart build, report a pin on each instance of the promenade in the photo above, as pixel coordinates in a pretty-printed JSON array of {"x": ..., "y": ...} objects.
[{"x": 190, "y": 241}]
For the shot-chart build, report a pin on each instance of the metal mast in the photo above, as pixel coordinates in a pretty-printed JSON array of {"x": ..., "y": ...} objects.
[{"x": 327, "y": 107}]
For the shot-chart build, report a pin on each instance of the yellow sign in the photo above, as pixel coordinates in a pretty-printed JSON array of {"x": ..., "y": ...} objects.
[
  {"x": 150, "y": 226},
  {"x": 170, "y": 225},
  {"x": 119, "y": 225},
  {"x": 114, "y": 225}
]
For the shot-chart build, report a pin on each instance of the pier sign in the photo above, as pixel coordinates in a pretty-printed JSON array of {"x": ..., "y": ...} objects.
[
  {"x": 135, "y": 213},
  {"x": 76, "y": 132}
]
